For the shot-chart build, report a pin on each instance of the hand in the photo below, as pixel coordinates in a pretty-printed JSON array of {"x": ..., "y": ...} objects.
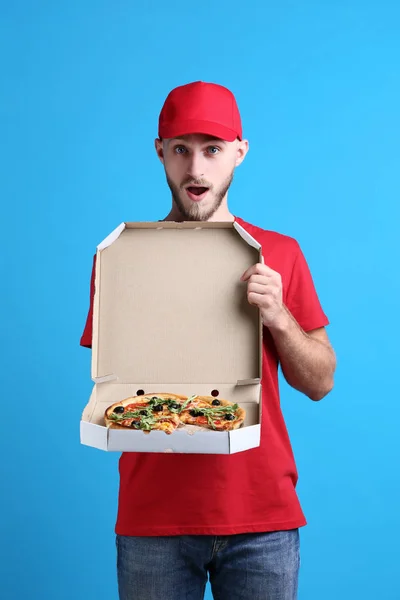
[{"x": 264, "y": 289}]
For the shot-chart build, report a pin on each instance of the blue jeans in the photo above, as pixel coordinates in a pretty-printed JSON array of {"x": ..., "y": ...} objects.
[{"x": 256, "y": 566}]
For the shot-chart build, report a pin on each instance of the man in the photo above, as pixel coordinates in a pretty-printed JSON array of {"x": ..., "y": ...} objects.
[{"x": 233, "y": 518}]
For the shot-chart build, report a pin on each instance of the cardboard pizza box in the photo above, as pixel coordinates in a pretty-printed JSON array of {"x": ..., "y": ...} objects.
[{"x": 171, "y": 315}]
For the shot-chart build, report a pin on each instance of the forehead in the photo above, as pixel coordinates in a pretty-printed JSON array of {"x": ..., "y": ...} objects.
[{"x": 197, "y": 138}]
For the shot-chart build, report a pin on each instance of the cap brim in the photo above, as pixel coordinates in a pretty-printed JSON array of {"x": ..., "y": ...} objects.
[{"x": 205, "y": 127}]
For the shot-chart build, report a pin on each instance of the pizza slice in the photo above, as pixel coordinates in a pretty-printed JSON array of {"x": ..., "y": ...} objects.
[
  {"x": 213, "y": 413},
  {"x": 146, "y": 412}
]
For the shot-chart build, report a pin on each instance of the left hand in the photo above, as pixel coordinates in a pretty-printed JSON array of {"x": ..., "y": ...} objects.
[{"x": 264, "y": 289}]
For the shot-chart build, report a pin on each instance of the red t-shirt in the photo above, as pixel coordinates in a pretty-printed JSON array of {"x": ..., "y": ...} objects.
[{"x": 252, "y": 491}]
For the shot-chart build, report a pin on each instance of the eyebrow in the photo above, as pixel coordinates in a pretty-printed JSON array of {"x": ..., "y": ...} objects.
[{"x": 210, "y": 141}]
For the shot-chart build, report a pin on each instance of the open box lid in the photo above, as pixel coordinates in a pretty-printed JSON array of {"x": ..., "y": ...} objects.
[{"x": 169, "y": 305}]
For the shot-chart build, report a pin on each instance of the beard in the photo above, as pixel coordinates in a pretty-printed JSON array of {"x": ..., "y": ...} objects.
[{"x": 195, "y": 212}]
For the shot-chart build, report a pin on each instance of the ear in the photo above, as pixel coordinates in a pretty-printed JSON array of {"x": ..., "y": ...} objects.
[
  {"x": 159, "y": 149},
  {"x": 241, "y": 151}
]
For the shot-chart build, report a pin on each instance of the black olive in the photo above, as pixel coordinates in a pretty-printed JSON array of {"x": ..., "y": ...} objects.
[
  {"x": 119, "y": 410},
  {"x": 196, "y": 413},
  {"x": 216, "y": 402},
  {"x": 229, "y": 417},
  {"x": 135, "y": 424},
  {"x": 174, "y": 405},
  {"x": 143, "y": 412},
  {"x": 158, "y": 408}
]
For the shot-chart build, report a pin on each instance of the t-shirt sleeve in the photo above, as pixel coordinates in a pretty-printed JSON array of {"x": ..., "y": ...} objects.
[
  {"x": 301, "y": 298},
  {"x": 86, "y": 338}
]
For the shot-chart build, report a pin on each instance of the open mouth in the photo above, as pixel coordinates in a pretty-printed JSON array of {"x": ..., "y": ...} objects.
[{"x": 196, "y": 193}]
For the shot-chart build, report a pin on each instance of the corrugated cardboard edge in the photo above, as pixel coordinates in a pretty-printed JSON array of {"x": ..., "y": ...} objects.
[{"x": 179, "y": 225}]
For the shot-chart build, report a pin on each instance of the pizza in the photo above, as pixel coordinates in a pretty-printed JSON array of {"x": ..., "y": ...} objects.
[
  {"x": 213, "y": 413},
  {"x": 167, "y": 412},
  {"x": 147, "y": 412}
]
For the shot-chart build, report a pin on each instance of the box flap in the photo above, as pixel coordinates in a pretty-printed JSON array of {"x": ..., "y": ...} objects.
[
  {"x": 112, "y": 237},
  {"x": 170, "y": 307}
]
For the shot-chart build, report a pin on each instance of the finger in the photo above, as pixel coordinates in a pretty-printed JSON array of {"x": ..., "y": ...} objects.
[
  {"x": 257, "y": 288},
  {"x": 255, "y": 299},
  {"x": 257, "y": 269},
  {"x": 253, "y": 270},
  {"x": 261, "y": 279}
]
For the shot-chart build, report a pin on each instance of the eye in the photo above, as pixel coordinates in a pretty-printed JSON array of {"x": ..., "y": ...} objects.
[
  {"x": 179, "y": 149},
  {"x": 213, "y": 149}
]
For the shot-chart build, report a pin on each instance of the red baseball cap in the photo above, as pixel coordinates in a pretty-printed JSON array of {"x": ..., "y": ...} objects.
[{"x": 200, "y": 107}]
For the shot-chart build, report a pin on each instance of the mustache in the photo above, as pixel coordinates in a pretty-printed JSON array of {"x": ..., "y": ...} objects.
[{"x": 199, "y": 182}]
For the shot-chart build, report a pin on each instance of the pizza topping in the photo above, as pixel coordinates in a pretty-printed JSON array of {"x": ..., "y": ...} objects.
[
  {"x": 217, "y": 411},
  {"x": 187, "y": 402},
  {"x": 216, "y": 415},
  {"x": 126, "y": 415},
  {"x": 229, "y": 417},
  {"x": 196, "y": 413},
  {"x": 146, "y": 423},
  {"x": 135, "y": 406},
  {"x": 212, "y": 415},
  {"x": 158, "y": 404},
  {"x": 164, "y": 413},
  {"x": 143, "y": 418}
]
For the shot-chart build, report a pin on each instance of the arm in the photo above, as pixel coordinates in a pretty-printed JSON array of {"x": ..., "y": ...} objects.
[{"x": 307, "y": 359}]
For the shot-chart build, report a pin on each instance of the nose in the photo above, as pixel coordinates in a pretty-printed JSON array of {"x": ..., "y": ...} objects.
[{"x": 195, "y": 165}]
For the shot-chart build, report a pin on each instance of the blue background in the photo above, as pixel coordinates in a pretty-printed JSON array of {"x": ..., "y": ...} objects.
[{"x": 319, "y": 90}]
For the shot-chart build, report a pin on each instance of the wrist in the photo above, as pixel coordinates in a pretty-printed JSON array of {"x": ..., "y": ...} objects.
[{"x": 282, "y": 321}]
